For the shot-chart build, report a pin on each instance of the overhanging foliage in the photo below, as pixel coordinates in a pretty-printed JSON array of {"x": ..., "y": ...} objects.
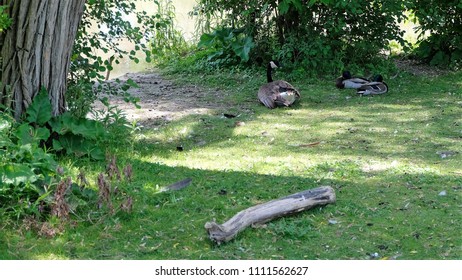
[{"x": 319, "y": 34}]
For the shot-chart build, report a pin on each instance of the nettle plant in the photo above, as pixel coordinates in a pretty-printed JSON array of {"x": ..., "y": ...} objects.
[
  {"x": 23, "y": 166},
  {"x": 32, "y": 182},
  {"x": 27, "y": 167},
  {"x": 63, "y": 133}
]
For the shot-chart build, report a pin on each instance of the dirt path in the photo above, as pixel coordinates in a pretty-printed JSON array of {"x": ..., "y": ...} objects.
[{"x": 162, "y": 100}]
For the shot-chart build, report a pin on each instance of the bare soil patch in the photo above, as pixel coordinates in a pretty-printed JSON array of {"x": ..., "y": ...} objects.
[
  {"x": 418, "y": 68},
  {"x": 163, "y": 100}
]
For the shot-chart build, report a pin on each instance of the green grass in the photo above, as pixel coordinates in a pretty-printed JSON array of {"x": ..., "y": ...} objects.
[{"x": 378, "y": 153}]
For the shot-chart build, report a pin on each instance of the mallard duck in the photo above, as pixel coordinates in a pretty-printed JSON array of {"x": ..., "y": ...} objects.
[
  {"x": 348, "y": 81},
  {"x": 276, "y": 93},
  {"x": 377, "y": 86}
]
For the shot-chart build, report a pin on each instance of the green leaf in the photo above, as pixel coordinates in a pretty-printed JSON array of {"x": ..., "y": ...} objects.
[
  {"x": 5, "y": 125},
  {"x": 16, "y": 174},
  {"x": 42, "y": 133},
  {"x": 97, "y": 153},
  {"x": 206, "y": 40},
  {"x": 242, "y": 49},
  {"x": 66, "y": 123},
  {"x": 57, "y": 145},
  {"x": 455, "y": 56},
  {"x": 439, "y": 58},
  {"x": 284, "y": 6},
  {"x": 132, "y": 83},
  {"x": 225, "y": 34},
  {"x": 39, "y": 111},
  {"x": 79, "y": 146},
  {"x": 25, "y": 134}
]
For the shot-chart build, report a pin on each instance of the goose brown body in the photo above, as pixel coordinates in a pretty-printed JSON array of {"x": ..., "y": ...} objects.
[{"x": 277, "y": 93}]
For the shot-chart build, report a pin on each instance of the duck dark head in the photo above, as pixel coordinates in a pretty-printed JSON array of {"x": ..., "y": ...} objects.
[
  {"x": 378, "y": 78},
  {"x": 339, "y": 81},
  {"x": 346, "y": 75}
]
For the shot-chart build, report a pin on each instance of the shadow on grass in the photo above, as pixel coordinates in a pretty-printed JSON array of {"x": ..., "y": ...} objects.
[{"x": 396, "y": 213}]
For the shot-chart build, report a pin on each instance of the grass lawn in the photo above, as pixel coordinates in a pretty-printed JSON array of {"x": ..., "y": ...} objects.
[{"x": 395, "y": 162}]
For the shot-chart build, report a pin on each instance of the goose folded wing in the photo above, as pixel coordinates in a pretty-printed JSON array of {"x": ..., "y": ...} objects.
[
  {"x": 283, "y": 86},
  {"x": 267, "y": 100}
]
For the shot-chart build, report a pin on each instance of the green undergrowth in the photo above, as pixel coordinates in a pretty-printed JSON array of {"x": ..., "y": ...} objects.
[{"x": 393, "y": 160}]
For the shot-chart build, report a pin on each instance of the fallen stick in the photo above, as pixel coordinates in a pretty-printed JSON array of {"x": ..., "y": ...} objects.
[
  {"x": 310, "y": 144},
  {"x": 262, "y": 213}
]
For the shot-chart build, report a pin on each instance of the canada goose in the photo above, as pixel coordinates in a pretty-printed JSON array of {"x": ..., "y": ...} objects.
[
  {"x": 276, "y": 93},
  {"x": 347, "y": 81},
  {"x": 377, "y": 86}
]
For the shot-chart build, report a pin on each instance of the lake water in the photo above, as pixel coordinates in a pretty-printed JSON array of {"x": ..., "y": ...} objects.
[{"x": 184, "y": 23}]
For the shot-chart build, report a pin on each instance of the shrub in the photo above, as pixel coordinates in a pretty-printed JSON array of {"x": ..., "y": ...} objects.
[
  {"x": 442, "y": 20},
  {"x": 321, "y": 35}
]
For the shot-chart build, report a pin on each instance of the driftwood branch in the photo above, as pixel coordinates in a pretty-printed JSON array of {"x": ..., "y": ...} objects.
[{"x": 268, "y": 211}]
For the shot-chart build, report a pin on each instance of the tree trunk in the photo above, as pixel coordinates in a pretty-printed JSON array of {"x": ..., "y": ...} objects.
[{"x": 36, "y": 51}]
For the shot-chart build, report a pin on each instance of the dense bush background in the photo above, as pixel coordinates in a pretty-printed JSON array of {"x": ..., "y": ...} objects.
[
  {"x": 324, "y": 35},
  {"x": 441, "y": 20}
]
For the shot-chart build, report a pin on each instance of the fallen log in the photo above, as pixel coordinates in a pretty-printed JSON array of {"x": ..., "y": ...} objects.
[{"x": 262, "y": 213}]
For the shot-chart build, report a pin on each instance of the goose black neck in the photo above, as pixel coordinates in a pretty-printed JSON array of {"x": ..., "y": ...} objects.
[{"x": 268, "y": 73}]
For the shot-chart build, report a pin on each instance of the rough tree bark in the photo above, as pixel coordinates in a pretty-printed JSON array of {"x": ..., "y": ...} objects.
[{"x": 36, "y": 51}]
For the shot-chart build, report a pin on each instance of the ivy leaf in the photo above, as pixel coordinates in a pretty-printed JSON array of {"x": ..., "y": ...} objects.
[{"x": 39, "y": 111}]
